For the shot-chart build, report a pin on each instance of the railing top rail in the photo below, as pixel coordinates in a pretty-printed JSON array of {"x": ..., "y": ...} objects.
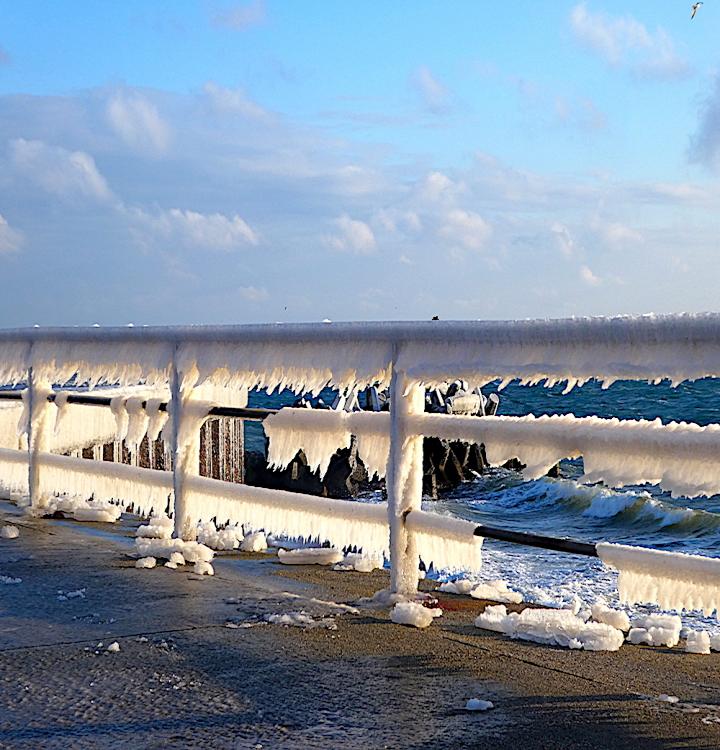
[{"x": 648, "y": 329}]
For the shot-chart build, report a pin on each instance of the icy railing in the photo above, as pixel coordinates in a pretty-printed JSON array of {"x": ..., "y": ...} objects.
[{"x": 196, "y": 368}]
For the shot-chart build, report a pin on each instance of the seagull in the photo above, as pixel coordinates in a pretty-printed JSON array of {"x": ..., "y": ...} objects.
[{"x": 694, "y": 10}]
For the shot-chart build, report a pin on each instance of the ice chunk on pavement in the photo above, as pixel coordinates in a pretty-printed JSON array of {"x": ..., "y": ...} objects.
[
  {"x": 171, "y": 565},
  {"x": 310, "y": 556},
  {"x": 228, "y": 538},
  {"x": 615, "y": 617},
  {"x": 146, "y": 562},
  {"x": 461, "y": 587},
  {"x": 665, "y": 698},
  {"x": 496, "y": 591},
  {"x": 113, "y": 648},
  {"x": 476, "y": 704},
  {"x": 360, "y": 562},
  {"x": 255, "y": 542},
  {"x": 412, "y": 613},
  {"x": 656, "y": 630},
  {"x": 697, "y": 642},
  {"x": 164, "y": 548},
  {"x": 553, "y": 627},
  {"x": 158, "y": 527},
  {"x": 203, "y": 568},
  {"x": 301, "y": 620},
  {"x": 9, "y": 532},
  {"x": 715, "y": 642},
  {"x": 177, "y": 558}
]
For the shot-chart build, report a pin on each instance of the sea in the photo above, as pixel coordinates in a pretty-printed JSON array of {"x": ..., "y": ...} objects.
[{"x": 564, "y": 506}]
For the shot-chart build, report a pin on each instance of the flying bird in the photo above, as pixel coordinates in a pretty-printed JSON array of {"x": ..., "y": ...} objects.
[{"x": 694, "y": 10}]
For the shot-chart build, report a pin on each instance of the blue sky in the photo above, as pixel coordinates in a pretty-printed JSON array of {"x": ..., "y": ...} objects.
[{"x": 207, "y": 162}]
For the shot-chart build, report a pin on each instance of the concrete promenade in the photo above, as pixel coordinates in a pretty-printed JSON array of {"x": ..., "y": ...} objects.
[{"x": 184, "y": 679}]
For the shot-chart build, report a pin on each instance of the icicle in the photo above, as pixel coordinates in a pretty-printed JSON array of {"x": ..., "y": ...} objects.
[
  {"x": 122, "y": 420},
  {"x": 61, "y": 398}
]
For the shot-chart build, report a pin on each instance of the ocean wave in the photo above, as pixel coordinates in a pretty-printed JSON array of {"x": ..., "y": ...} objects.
[{"x": 636, "y": 508}]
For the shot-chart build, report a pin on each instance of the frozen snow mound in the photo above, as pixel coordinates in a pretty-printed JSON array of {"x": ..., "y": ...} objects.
[
  {"x": 494, "y": 591},
  {"x": 697, "y": 642},
  {"x": 656, "y": 630},
  {"x": 477, "y": 704},
  {"x": 9, "y": 532},
  {"x": 614, "y": 617},
  {"x": 310, "y": 556},
  {"x": 360, "y": 562},
  {"x": 145, "y": 562},
  {"x": 412, "y": 613},
  {"x": 228, "y": 538},
  {"x": 203, "y": 568},
  {"x": 554, "y": 627},
  {"x": 165, "y": 548},
  {"x": 255, "y": 542},
  {"x": 80, "y": 509},
  {"x": 301, "y": 620},
  {"x": 157, "y": 527}
]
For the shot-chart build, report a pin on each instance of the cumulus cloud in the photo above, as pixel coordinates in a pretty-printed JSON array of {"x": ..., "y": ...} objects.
[
  {"x": 588, "y": 277},
  {"x": 241, "y": 17},
  {"x": 10, "y": 239},
  {"x": 138, "y": 123},
  {"x": 353, "y": 236},
  {"x": 623, "y": 41},
  {"x": 254, "y": 293},
  {"x": 466, "y": 228},
  {"x": 435, "y": 97},
  {"x": 233, "y": 101},
  {"x": 213, "y": 231},
  {"x": 705, "y": 144},
  {"x": 69, "y": 174}
]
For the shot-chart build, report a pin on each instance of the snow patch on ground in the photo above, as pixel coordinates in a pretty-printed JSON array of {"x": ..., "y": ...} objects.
[
  {"x": 555, "y": 627},
  {"x": 301, "y": 620},
  {"x": 412, "y": 613}
]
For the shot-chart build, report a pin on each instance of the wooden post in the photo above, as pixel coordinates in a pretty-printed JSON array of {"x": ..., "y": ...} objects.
[{"x": 404, "y": 481}]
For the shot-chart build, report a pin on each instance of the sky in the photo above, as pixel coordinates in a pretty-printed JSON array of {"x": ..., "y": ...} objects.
[{"x": 274, "y": 160}]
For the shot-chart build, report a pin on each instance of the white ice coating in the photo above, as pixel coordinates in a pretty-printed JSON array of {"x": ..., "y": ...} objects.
[
  {"x": 310, "y": 556},
  {"x": 673, "y": 580},
  {"x": 681, "y": 457},
  {"x": 322, "y": 432},
  {"x": 414, "y": 613}
]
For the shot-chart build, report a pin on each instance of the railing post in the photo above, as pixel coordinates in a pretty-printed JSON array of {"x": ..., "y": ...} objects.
[
  {"x": 404, "y": 481},
  {"x": 38, "y": 408}
]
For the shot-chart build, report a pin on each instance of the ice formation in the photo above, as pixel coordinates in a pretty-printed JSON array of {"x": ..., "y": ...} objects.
[
  {"x": 496, "y": 591},
  {"x": 165, "y": 548},
  {"x": 697, "y": 642},
  {"x": 462, "y": 586},
  {"x": 673, "y": 580},
  {"x": 310, "y": 556},
  {"x": 254, "y": 542},
  {"x": 557, "y": 627},
  {"x": 79, "y": 509},
  {"x": 227, "y": 538},
  {"x": 145, "y": 562},
  {"x": 203, "y": 568},
  {"x": 360, "y": 562},
  {"x": 157, "y": 527},
  {"x": 9, "y": 532},
  {"x": 113, "y": 648},
  {"x": 477, "y": 704},
  {"x": 656, "y": 630},
  {"x": 301, "y": 620},
  {"x": 412, "y": 613},
  {"x": 615, "y": 617}
]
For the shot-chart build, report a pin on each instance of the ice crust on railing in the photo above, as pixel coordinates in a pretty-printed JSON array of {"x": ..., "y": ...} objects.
[
  {"x": 681, "y": 457},
  {"x": 14, "y": 471},
  {"x": 146, "y": 489},
  {"x": 673, "y": 580},
  {"x": 446, "y": 542},
  {"x": 322, "y": 432}
]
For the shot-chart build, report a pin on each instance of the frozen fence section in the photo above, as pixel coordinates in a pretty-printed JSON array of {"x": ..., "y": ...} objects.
[{"x": 194, "y": 369}]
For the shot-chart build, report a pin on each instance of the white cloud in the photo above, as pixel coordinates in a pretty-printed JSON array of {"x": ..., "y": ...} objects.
[
  {"x": 618, "y": 234},
  {"x": 564, "y": 239},
  {"x": 354, "y": 236},
  {"x": 589, "y": 277},
  {"x": 434, "y": 95},
  {"x": 193, "y": 229},
  {"x": 437, "y": 185},
  {"x": 396, "y": 220},
  {"x": 137, "y": 121},
  {"x": 10, "y": 239},
  {"x": 69, "y": 174},
  {"x": 254, "y": 293},
  {"x": 241, "y": 17},
  {"x": 233, "y": 101},
  {"x": 467, "y": 228},
  {"x": 623, "y": 41},
  {"x": 705, "y": 144}
]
